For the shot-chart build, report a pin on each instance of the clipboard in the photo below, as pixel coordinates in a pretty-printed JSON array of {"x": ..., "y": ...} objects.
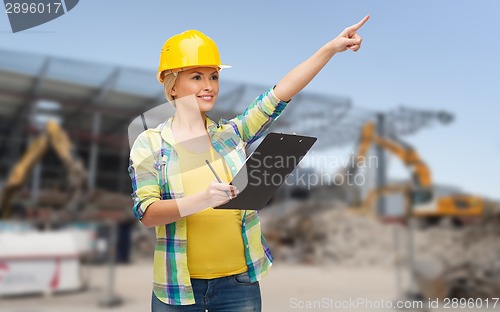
[{"x": 266, "y": 169}]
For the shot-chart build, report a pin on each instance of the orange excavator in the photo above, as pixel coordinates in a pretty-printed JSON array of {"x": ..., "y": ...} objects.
[
  {"x": 434, "y": 275},
  {"x": 56, "y": 137},
  {"x": 420, "y": 200}
]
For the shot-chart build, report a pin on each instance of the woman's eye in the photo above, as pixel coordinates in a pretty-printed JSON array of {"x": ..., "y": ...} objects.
[
  {"x": 215, "y": 77},
  {"x": 197, "y": 77}
]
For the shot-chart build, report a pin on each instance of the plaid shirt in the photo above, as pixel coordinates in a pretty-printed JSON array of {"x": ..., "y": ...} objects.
[{"x": 153, "y": 156}]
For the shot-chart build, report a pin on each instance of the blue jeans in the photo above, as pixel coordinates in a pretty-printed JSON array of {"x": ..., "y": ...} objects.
[{"x": 233, "y": 293}]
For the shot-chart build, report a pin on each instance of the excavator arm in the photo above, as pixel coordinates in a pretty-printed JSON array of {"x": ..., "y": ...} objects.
[
  {"x": 419, "y": 198},
  {"x": 400, "y": 149},
  {"x": 420, "y": 191},
  {"x": 74, "y": 166},
  {"x": 60, "y": 142},
  {"x": 19, "y": 173},
  {"x": 408, "y": 155}
]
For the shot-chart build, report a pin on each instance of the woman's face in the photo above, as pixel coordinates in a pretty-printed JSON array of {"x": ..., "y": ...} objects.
[{"x": 203, "y": 82}]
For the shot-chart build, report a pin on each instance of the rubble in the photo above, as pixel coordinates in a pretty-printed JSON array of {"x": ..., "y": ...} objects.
[
  {"x": 450, "y": 261},
  {"x": 328, "y": 235}
]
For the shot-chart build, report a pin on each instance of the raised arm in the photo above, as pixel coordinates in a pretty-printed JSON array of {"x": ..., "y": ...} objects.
[{"x": 301, "y": 75}]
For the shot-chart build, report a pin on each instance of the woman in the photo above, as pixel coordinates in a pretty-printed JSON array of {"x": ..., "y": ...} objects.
[{"x": 174, "y": 188}]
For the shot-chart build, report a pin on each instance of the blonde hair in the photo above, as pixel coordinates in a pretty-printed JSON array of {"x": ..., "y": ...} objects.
[{"x": 169, "y": 80}]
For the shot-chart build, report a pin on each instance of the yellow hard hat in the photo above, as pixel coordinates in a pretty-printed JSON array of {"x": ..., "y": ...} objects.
[{"x": 191, "y": 48}]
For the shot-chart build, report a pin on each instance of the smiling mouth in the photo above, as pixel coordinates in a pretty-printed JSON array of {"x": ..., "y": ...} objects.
[{"x": 206, "y": 97}]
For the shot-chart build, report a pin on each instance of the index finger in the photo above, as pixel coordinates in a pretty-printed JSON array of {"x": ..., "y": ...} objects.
[{"x": 361, "y": 23}]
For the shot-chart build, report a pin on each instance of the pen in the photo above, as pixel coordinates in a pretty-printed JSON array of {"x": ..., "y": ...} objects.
[{"x": 217, "y": 177}]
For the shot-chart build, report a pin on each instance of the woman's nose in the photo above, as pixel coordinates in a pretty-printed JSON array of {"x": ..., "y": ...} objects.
[{"x": 207, "y": 86}]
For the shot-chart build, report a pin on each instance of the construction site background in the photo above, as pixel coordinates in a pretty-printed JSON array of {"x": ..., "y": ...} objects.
[{"x": 366, "y": 222}]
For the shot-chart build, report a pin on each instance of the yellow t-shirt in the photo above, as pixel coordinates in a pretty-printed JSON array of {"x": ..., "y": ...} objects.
[{"x": 215, "y": 244}]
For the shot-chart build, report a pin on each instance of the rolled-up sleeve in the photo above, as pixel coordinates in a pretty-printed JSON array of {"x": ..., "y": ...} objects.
[
  {"x": 256, "y": 120},
  {"x": 145, "y": 188}
]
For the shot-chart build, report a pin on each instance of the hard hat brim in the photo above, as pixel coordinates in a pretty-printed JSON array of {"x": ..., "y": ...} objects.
[{"x": 178, "y": 70}]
